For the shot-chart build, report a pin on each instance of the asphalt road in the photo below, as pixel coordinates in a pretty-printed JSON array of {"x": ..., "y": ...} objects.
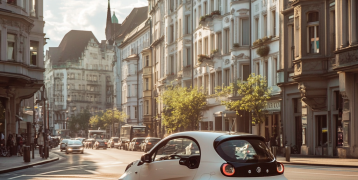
[{"x": 110, "y": 164}]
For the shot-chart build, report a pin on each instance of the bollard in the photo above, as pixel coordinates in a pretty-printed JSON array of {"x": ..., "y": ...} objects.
[
  {"x": 26, "y": 154},
  {"x": 288, "y": 153}
]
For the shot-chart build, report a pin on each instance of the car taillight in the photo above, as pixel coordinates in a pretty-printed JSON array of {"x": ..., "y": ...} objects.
[
  {"x": 137, "y": 143},
  {"x": 280, "y": 168},
  {"x": 149, "y": 143},
  {"x": 228, "y": 169},
  {"x": 105, "y": 143}
]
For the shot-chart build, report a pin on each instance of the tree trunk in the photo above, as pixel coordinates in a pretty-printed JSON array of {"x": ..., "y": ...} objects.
[{"x": 259, "y": 129}]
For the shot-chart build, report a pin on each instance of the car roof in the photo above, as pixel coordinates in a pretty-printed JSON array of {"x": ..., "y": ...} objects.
[
  {"x": 152, "y": 138},
  {"x": 206, "y": 141}
]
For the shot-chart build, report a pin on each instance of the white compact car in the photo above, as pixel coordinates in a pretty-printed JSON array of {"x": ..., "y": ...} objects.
[{"x": 207, "y": 156}]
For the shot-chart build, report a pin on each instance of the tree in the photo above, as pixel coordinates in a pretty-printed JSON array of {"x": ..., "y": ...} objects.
[
  {"x": 182, "y": 107},
  {"x": 107, "y": 118},
  {"x": 255, "y": 94},
  {"x": 79, "y": 121}
]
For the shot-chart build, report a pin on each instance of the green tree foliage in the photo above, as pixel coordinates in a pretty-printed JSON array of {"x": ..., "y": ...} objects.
[
  {"x": 254, "y": 96},
  {"x": 107, "y": 118},
  {"x": 79, "y": 121},
  {"x": 182, "y": 107}
]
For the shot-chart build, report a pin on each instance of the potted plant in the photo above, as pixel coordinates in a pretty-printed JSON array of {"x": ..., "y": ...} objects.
[
  {"x": 216, "y": 12},
  {"x": 214, "y": 51},
  {"x": 263, "y": 51},
  {"x": 236, "y": 45}
]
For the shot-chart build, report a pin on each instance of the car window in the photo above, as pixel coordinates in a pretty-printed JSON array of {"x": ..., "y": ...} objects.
[
  {"x": 179, "y": 147},
  {"x": 250, "y": 150},
  {"x": 64, "y": 141},
  {"x": 74, "y": 142}
]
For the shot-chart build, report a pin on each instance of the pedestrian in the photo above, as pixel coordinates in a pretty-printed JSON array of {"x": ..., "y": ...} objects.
[
  {"x": 10, "y": 143},
  {"x": 40, "y": 142},
  {"x": 18, "y": 138},
  {"x": 2, "y": 138}
]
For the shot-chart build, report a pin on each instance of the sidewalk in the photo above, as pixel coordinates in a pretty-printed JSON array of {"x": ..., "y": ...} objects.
[
  {"x": 14, "y": 163},
  {"x": 319, "y": 161}
]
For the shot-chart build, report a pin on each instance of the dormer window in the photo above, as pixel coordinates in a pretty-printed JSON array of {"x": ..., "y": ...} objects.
[{"x": 313, "y": 32}]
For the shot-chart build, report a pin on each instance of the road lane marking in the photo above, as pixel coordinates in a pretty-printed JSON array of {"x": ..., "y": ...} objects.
[
  {"x": 16, "y": 177},
  {"x": 93, "y": 172},
  {"x": 324, "y": 174}
]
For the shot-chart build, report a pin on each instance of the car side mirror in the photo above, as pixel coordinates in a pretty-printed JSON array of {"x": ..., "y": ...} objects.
[{"x": 146, "y": 158}]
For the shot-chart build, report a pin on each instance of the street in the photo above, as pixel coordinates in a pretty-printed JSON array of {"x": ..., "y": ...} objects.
[{"x": 111, "y": 163}]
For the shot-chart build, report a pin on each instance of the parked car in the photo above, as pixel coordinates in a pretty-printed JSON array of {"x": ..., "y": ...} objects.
[
  {"x": 63, "y": 144},
  {"x": 111, "y": 142},
  {"x": 134, "y": 144},
  {"x": 100, "y": 144},
  {"x": 207, "y": 155},
  {"x": 148, "y": 143},
  {"x": 74, "y": 146}
]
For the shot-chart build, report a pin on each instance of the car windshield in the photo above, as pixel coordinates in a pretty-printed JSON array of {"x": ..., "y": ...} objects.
[
  {"x": 244, "y": 151},
  {"x": 74, "y": 142},
  {"x": 115, "y": 140},
  {"x": 64, "y": 141}
]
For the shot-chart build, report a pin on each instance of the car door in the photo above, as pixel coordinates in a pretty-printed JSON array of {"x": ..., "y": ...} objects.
[{"x": 166, "y": 167}]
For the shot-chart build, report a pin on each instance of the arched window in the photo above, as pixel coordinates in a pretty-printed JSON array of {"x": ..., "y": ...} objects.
[{"x": 313, "y": 32}]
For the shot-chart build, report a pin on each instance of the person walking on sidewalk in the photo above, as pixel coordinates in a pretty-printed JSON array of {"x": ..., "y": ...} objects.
[{"x": 40, "y": 142}]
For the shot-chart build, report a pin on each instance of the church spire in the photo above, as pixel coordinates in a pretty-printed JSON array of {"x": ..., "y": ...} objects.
[{"x": 109, "y": 25}]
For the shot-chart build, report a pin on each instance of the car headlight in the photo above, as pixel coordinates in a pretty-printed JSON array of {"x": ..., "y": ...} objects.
[
  {"x": 70, "y": 149},
  {"x": 81, "y": 148}
]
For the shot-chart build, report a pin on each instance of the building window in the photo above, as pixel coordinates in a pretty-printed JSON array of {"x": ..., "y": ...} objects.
[
  {"x": 257, "y": 68},
  {"x": 219, "y": 76},
  {"x": 273, "y": 23},
  {"x": 13, "y": 2},
  {"x": 256, "y": 28},
  {"x": 146, "y": 60},
  {"x": 322, "y": 130},
  {"x": 227, "y": 41},
  {"x": 135, "y": 112},
  {"x": 313, "y": 32},
  {"x": 245, "y": 72},
  {"x": 11, "y": 42},
  {"x": 194, "y": 19},
  {"x": 219, "y": 6},
  {"x": 212, "y": 83},
  {"x": 274, "y": 71},
  {"x": 265, "y": 26},
  {"x": 33, "y": 8},
  {"x": 206, "y": 46},
  {"x": 171, "y": 65},
  {"x": 245, "y": 36},
  {"x": 266, "y": 70},
  {"x": 129, "y": 91},
  {"x": 146, "y": 107},
  {"x": 188, "y": 57},
  {"x": 292, "y": 43},
  {"x": 129, "y": 112},
  {"x": 333, "y": 30},
  {"x": 171, "y": 5},
  {"x": 227, "y": 77},
  {"x": 187, "y": 24},
  {"x": 180, "y": 61},
  {"x": 146, "y": 84},
  {"x": 180, "y": 29},
  {"x": 33, "y": 52},
  {"x": 211, "y": 5},
  {"x": 171, "y": 33},
  {"x": 220, "y": 42},
  {"x": 205, "y": 8}
]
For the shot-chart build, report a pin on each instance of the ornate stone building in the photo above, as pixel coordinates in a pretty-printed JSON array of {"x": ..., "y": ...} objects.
[
  {"x": 317, "y": 76},
  {"x": 79, "y": 75},
  {"x": 21, "y": 58}
]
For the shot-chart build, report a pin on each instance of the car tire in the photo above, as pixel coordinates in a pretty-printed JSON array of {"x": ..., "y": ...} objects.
[
  {"x": 66, "y": 152},
  {"x": 82, "y": 152}
]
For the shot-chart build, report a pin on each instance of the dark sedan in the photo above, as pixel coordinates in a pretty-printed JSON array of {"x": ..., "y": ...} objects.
[
  {"x": 100, "y": 144},
  {"x": 63, "y": 144},
  {"x": 74, "y": 146}
]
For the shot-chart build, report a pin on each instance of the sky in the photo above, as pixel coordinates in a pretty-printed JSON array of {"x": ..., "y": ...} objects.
[{"x": 90, "y": 15}]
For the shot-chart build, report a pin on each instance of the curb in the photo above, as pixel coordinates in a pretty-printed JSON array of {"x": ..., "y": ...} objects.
[
  {"x": 314, "y": 164},
  {"x": 28, "y": 165}
]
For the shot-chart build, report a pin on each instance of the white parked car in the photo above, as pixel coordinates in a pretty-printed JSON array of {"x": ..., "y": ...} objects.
[{"x": 207, "y": 156}]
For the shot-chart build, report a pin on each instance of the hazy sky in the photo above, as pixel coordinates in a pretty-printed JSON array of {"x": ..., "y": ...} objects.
[{"x": 65, "y": 15}]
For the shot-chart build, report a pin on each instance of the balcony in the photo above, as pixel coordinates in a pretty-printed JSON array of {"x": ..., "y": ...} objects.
[
  {"x": 147, "y": 71},
  {"x": 310, "y": 66},
  {"x": 346, "y": 59},
  {"x": 147, "y": 93}
]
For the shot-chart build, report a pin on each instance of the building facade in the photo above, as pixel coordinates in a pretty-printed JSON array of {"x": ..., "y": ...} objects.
[
  {"x": 80, "y": 76},
  {"x": 21, "y": 64}
]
